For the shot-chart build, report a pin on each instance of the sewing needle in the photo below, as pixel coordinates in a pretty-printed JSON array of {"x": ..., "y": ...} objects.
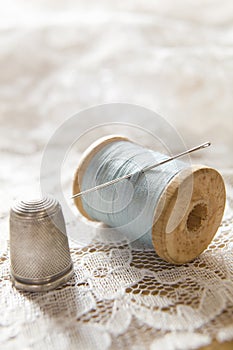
[{"x": 150, "y": 167}]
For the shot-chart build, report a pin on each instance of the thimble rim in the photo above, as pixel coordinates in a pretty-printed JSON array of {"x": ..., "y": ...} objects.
[{"x": 33, "y": 285}]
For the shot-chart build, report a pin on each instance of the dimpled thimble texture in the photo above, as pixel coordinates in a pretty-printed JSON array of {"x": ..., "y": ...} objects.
[{"x": 39, "y": 249}]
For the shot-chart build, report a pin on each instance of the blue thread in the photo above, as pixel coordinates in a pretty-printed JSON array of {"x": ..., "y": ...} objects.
[{"x": 129, "y": 205}]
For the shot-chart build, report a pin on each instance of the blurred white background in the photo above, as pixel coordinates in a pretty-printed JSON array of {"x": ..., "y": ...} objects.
[{"x": 60, "y": 56}]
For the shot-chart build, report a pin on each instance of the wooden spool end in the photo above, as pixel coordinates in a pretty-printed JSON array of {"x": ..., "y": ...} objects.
[
  {"x": 189, "y": 211},
  {"x": 196, "y": 214}
]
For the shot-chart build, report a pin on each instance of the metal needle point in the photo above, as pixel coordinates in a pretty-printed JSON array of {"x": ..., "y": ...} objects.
[{"x": 99, "y": 187}]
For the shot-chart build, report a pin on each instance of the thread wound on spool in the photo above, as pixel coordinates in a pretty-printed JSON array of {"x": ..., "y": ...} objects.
[{"x": 185, "y": 224}]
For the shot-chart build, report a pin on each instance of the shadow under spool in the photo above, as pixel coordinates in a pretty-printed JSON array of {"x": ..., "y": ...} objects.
[{"x": 198, "y": 221}]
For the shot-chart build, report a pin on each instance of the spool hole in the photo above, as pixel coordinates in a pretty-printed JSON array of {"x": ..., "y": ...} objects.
[{"x": 196, "y": 217}]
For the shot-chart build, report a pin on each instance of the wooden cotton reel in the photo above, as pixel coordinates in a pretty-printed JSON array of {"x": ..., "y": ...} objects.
[{"x": 197, "y": 221}]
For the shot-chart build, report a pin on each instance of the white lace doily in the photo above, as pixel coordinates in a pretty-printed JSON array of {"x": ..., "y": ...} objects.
[
  {"x": 60, "y": 56},
  {"x": 121, "y": 298}
]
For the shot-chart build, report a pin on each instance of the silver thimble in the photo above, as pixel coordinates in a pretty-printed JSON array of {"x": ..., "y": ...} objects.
[{"x": 39, "y": 249}]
